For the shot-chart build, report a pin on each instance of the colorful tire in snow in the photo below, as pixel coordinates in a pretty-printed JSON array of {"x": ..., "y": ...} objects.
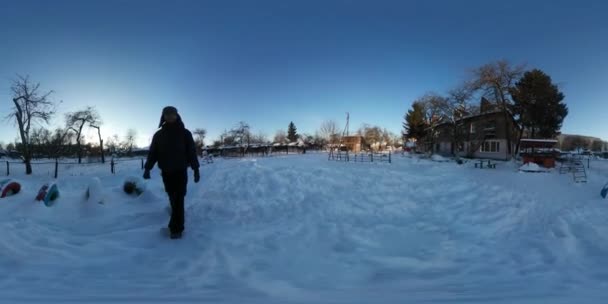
[
  {"x": 604, "y": 191},
  {"x": 48, "y": 194},
  {"x": 134, "y": 186},
  {"x": 9, "y": 187}
]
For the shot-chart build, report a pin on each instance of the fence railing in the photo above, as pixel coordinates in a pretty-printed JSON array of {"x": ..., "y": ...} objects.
[
  {"x": 55, "y": 168},
  {"x": 361, "y": 157},
  {"x": 56, "y": 165}
]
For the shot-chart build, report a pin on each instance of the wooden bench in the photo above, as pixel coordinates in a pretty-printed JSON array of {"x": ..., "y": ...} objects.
[{"x": 479, "y": 164}]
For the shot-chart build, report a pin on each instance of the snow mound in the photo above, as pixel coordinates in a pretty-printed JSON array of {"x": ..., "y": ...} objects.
[
  {"x": 439, "y": 158},
  {"x": 302, "y": 229},
  {"x": 531, "y": 167}
]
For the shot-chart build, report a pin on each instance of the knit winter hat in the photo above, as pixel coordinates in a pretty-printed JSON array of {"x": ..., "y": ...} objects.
[{"x": 169, "y": 110}]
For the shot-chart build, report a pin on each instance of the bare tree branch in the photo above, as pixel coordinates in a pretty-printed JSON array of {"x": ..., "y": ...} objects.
[{"x": 29, "y": 106}]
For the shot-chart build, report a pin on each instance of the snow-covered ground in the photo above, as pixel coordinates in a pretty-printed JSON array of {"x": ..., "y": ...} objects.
[{"x": 301, "y": 229}]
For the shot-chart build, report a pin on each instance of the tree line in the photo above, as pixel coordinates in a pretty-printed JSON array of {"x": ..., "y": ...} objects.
[
  {"x": 328, "y": 133},
  {"x": 32, "y": 110},
  {"x": 579, "y": 143},
  {"x": 529, "y": 97}
]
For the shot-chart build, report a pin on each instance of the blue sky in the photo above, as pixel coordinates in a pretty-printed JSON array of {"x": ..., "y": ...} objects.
[{"x": 272, "y": 62}]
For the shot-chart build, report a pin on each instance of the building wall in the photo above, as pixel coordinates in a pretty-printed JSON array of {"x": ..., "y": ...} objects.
[
  {"x": 445, "y": 149},
  {"x": 478, "y": 129},
  {"x": 501, "y": 154}
]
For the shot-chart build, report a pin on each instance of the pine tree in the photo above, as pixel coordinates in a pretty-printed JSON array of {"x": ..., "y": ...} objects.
[
  {"x": 415, "y": 125},
  {"x": 292, "y": 133},
  {"x": 538, "y": 104}
]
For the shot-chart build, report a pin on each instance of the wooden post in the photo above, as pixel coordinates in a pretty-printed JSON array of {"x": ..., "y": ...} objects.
[
  {"x": 389, "y": 157},
  {"x": 8, "y": 168},
  {"x": 588, "y": 160},
  {"x": 142, "y": 163},
  {"x": 56, "y": 168},
  {"x": 112, "y": 166},
  {"x": 372, "y": 156}
]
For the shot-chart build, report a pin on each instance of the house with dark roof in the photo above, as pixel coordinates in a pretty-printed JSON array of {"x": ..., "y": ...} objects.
[{"x": 486, "y": 134}]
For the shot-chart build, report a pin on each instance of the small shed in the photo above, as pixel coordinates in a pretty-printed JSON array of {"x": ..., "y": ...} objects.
[{"x": 539, "y": 151}]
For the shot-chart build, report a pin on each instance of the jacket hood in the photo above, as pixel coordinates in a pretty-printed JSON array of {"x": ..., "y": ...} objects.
[{"x": 178, "y": 121}]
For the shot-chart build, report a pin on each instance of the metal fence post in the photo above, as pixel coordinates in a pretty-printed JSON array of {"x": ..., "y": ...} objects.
[
  {"x": 112, "y": 166},
  {"x": 8, "y": 168},
  {"x": 588, "y": 161},
  {"x": 389, "y": 157},
  {"x": 56, "y": 168},
  {"x": 142, "y": 163}
]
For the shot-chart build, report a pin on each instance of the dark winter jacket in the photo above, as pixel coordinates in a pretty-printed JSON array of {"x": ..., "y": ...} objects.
[{"x": 173, "y": 148}]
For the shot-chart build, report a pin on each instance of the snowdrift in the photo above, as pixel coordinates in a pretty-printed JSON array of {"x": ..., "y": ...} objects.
[
  {"x": 301, "y": 229},
  {"x": 531, "y": 167},
  {"x": 439, "y": 158}
]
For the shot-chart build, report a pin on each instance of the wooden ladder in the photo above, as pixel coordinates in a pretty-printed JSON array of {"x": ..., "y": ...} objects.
[{"x": 578, "y": 172}]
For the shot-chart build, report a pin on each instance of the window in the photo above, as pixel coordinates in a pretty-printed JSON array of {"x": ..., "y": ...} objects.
[
  {"x": 490, "y": 125},
  {"x": 490, "y": 129},
  {"x": 490, "y": 147}
]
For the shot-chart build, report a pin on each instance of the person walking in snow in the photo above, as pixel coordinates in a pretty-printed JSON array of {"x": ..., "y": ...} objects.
[{"x": 174, "y": 149}]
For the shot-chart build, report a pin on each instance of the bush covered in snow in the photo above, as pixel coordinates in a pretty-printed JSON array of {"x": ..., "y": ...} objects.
[{"x": 531, "y": 167}]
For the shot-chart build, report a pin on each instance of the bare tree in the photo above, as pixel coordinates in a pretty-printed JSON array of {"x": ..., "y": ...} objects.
[
  {"x": 60, "y": 142},
  {"x": 319, "y": 140},
  {"x": 453, "y": 110},
  {"x": 199, "y": 139},
  {"x": 372, "y": 135},
  {"x": 596, "y": 145},
  {"x": 433, "y": 105},
  {"x": 227, "y": 138},
  {"x": 241, "y": 133},
  {"x": 29, "y": 106},
  {"x": 98, "y": 127},
  {"x": 76, "y": 121},
  {"x": 280, "y": 137},
  {"x": 495, "y": 79},
  {"x": 328, "y": 129},
  {"x": 130, "y": 140},
  {"x": 259, "y": 138},
  {"x": 113, "y": 143},
  {"x": 10, "y": 147}
]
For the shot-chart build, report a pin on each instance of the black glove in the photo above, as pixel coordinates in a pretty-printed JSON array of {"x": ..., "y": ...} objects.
[
  {"x": 197, "y": 176},
  {"x": 147, "y": 174}
]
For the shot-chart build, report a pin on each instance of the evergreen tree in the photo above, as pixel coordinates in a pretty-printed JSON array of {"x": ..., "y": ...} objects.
[
  {"x": 292, "y": 133},
  {"x": 415, "y": 125},
  {"x": 537, "y": 104}
]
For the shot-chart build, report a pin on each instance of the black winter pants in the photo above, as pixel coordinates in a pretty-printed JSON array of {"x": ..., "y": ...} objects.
[{"x": 175, "y": 185}]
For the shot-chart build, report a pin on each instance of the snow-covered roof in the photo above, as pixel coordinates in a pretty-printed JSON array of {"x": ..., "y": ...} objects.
[
  {"x": 539, "y": 140},
  {"x": 468, "y": 117}
]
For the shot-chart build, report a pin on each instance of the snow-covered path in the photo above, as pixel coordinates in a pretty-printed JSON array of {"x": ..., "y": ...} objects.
[{"x": 301, "y": 229}]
